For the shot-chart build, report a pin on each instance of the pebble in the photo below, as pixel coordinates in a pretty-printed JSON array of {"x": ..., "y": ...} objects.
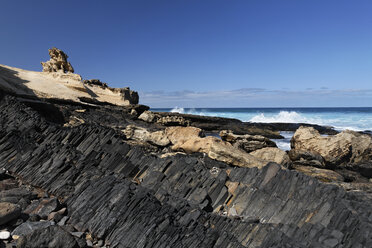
[
  {"x": 100, "y": 243},
  {"x": 4, "y": 235},
  {"x": 89, "y": 243}
]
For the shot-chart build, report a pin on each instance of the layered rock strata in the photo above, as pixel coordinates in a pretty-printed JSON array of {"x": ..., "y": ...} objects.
[{"x": 129, "y": 198}]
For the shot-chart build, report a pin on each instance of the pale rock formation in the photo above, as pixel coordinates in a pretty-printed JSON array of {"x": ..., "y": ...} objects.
[
  {"x": 323, "y": 175},
  {"x": 156, "y": 138},
  {"x": 273, "y": 154},
  {"x": 246, "y": 142},
  {"x": 147, "y": 116},
  {"x": 345, "y": 147},
  {"x": 58, "y": 62},
  {"x": 179, "y": 135}
]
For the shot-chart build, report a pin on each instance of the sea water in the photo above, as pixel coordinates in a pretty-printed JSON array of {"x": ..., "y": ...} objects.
[{"x": 357, "y": 119}]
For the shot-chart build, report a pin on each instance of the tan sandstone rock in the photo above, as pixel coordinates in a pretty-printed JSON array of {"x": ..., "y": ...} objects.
[
  {"x": 180, "y": 135},
  {"x": 246, "y": 142},
  {"x": 58, "y": 62},
  {"x": 138, "y": 133},
  {"x": 219, "y": 150},
  {"x": 323, "y": 175},
  {"x": 272, "y": 154},
  {"x": 345, "y": 147},
  {"x": 147, "y": 116}
]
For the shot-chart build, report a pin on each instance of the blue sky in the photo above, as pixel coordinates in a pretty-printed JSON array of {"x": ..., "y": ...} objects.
[{"x": 204, "y": 53}]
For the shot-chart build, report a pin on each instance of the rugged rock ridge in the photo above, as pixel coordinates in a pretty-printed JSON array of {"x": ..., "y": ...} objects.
[
  {"x": 179, "y": 200},
  {"x": 57, "y": 82},
  {"x": 58, "y": 62}
]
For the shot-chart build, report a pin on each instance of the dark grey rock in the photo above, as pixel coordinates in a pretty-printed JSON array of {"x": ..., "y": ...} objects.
[
  {"x": 52, "y": 236},
  {"x": 8, "y": 212},
  {"x": 29, "y": 227}
]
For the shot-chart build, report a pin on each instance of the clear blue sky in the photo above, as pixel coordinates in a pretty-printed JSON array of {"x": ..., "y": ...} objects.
[{"x": 204, "y": 53}]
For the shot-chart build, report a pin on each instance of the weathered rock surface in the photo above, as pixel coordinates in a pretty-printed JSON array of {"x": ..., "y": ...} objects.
[
  {"x": 306, "y": 158},
  {"x": 219, "y": 150},
  {"x": 179, "y": 135},
  {"x": 158, "y": 138},
  {"x": 248, "y": 143},
  {"x": 132, "y": 199},
  {"x": 8, "y": 212},
  {"x": 52, "y": 236},
  {"x": 273, "y": 154},
  {"x": 323, "y": 175},
  {"x": 29, "y": 227},
  {"x": 58, "y": 62},
  {"x": 345, "y": 147}
]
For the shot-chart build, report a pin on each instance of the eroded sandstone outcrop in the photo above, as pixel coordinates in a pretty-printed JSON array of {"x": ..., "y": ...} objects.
[
  {"x": 248, "y": 143},
  {"x": 58, "y": 62},
  {"x": 345, "y": 147},
  {"x": 273, "y": 154}
]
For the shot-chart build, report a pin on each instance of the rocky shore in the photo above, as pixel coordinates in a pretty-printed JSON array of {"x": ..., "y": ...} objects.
[{"x": 94, "y": 173}]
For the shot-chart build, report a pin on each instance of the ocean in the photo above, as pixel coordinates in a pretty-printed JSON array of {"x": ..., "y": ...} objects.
[{"x": 357, "y": 119}]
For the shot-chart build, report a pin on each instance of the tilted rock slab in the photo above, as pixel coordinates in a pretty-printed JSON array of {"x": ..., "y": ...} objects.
[{"x": 132, "y": 199}]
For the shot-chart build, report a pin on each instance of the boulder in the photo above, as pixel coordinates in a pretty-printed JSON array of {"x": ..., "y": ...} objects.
[
  {"x": 219, "y": 150},
  {"x": 306, "y": 158},
  {"x": 273, "y": 154},
  {"x": 142, "y": 134},
  {"x": 323, "y": 175},
  {"x": 43, "y": 207},
  {"x": 246, "y": 142},
  {"x": 182, "y": 134},
  {"x": 52, "y": 236},
  {"x": 28, "y": 227},
  {"x": 147, "y": 116},
  {"x": 8, "y": 212},
  {"x": 345, "y": 147},
  {"x": 58, "y": 62}
]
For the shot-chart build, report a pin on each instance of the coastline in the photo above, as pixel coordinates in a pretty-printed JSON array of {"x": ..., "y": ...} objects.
[{"x": 174, "y": 179}]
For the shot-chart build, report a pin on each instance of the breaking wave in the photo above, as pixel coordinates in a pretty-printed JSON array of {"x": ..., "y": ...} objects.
[{"x": 285, "y": 117}]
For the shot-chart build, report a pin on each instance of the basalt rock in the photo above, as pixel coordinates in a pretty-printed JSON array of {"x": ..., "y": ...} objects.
[
  {"x": 52, "y": 236},
  {"x": 58, "y": 62}
]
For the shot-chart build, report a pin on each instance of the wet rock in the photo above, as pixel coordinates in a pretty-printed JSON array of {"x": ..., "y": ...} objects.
[
  {"x": 345, "y": 147},
  {"x": 273, "y": 154},
  {"x": 246, "y": 142},
  {"x": 58, "y": 62},
  {"x": 8, "y": 212},
  {"x": 52, "y": 236},
  {"x": 29, "y": 227}
]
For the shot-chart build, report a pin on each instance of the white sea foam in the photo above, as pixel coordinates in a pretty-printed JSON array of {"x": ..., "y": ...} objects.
[
  {"x": 178, "y": 110},
  {"x": 282, "y": 116}
]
